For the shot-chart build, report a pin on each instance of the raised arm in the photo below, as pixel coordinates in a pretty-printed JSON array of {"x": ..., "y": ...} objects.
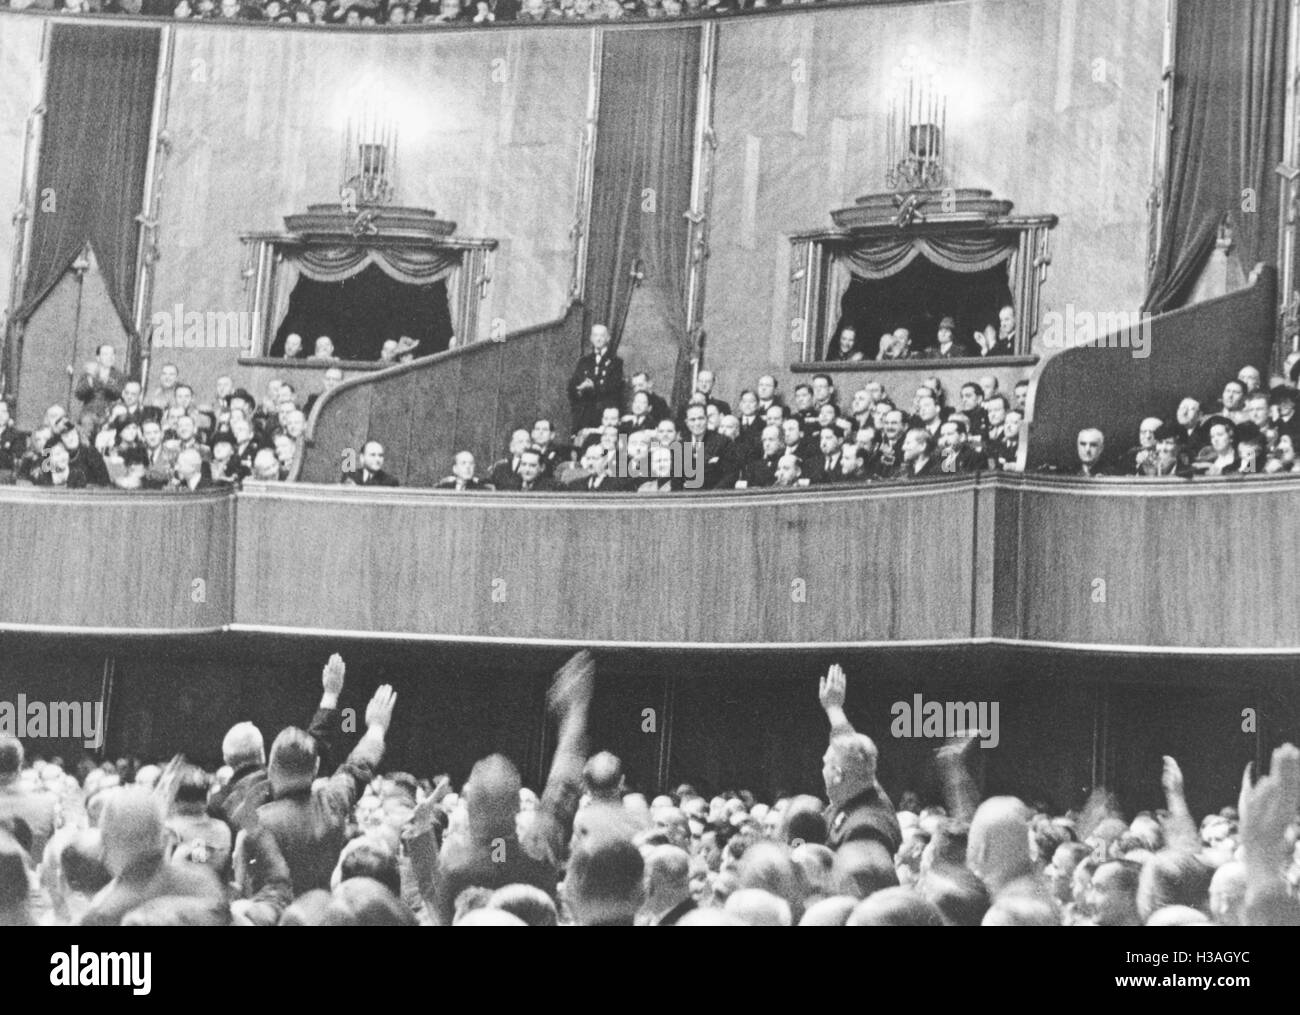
[
  {"x": 569, "y": 699},
  {"x": 1180, "y": 829},
  {"x": 1265, "y": 810},
  {"x": 324, "y": 724},
  {"x": 831, "y": 693},
  {"x": 346, "y": 784}
]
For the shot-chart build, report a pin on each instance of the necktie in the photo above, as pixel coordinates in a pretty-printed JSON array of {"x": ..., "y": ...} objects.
[
  {"x": 828, "y": 464},
  {"x": 591, "y": 483}
]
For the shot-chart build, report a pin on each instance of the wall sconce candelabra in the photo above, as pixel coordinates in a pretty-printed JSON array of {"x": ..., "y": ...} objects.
[
  {"x": 369, "y": 158},
  {"x": 917, "y": 121}
]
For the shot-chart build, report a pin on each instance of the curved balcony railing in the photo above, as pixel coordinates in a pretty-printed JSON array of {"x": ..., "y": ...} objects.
[{"x": 1141, "y": 566}]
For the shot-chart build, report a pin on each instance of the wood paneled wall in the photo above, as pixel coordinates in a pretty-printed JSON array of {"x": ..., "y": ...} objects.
[
  {"x": 466, "y": 399},
  {"x": 121, "y": 563},
  {"x": 1156, "y": 567}
]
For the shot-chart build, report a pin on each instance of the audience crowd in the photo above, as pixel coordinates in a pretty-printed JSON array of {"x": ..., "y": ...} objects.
[
  {"x": 308, "y": 834},
  {"x": 463, "y": 13},
  {"x": 625, "y": 437}
]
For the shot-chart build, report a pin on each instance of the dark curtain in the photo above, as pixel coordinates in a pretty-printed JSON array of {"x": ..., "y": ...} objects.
[
  {"x": 361, "y": 312},
  {"x": 881, "y": 257},
  {"x": 641, "y": 188},
  {"x": 1228, "y": 111},
  {"x": 94, "y": 151}
]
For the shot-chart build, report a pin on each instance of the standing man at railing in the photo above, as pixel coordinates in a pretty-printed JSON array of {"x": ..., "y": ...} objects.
[{"x": 597, "y": 381}]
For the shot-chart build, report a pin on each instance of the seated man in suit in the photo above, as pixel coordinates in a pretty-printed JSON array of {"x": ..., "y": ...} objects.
[
  {"x": 657, "y": 408},
  {"x": 462, "y": 475},
  {"x": 715, "y": 455},
  {"x": 596, "y": 464},
  {"x": 191, "y": 472},
  {"x": 597, "y": 381},
  {"x": 503, "y": 472},
  {"x": 761, "y": 472},
  {"x": 1144, "y": 452},
  {"x": 827, "y": 467},
  {"x": 955, "y": 453},
  {"x": 372, "y": 471},
  {"x": 554, "y": 454},
  {"x": 1091, "y": 445},
  {"x": 640, "y": 414},
  {"x": 661, "y": 478},
  {"x": 789, "y": 472},
  {"x": 919, "y": 459},
  {"x": 531, "y": 478}
]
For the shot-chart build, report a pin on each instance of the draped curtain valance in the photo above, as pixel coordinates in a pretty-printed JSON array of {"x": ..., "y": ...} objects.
[
  {"x": 413, "y": 266},
  {"x": 882, "y": 257}
]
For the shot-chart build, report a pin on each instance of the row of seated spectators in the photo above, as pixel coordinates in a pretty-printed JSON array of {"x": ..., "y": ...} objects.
[
  {"x": 408, "y": 12},
  {"x": 165, "y": 439},
  {"x": 1248, "y": 431},
  {"x": 763, "y": 442},
  {"x": 266, "y": 840}
]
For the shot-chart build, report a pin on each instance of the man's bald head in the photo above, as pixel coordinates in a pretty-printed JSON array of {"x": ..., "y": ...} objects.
[
  {"x": 243, "y": 745},
  {"x": 758, "y": 908},
  {"x": 492, "y": 795},
  {"x": 603, "y": 777},
  {"x": 997, "y": 848},
  {"x": 1228, "y": 894}
]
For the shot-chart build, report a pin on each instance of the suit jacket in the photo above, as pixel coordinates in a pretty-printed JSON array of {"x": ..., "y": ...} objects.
[
  {"x": 97, "y": 394},
  {"x": 717, "y": 455},
  {"x": 932, "y": 467},
  {"x": 761, "y": 472},
  {"x": 966, "y": 460},
  {"x": 451, "y": 482},
  {"x": 606, "y": 484},
  {"x": 503, "y": 472},
  {"x": 817, "y": 472},
  {"x": 543, "y": 484},
  {"x": 1098, "y": 469},
  {"x": 362, "y": 478},
  {"x": 606, "y": 376}
]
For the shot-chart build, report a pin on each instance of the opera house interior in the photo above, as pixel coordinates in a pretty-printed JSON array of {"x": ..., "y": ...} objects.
[{"x": 926, "y": 367}]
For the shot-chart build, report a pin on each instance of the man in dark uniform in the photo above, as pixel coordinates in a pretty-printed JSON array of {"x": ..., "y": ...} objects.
[
  {"x": 12, "y": 440},
  {"x": 597, "y": 382},
  {"x": 859, "y": 810},
  {"x": 462, "y": 475},
  {"x": 372, "y": 471}
]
